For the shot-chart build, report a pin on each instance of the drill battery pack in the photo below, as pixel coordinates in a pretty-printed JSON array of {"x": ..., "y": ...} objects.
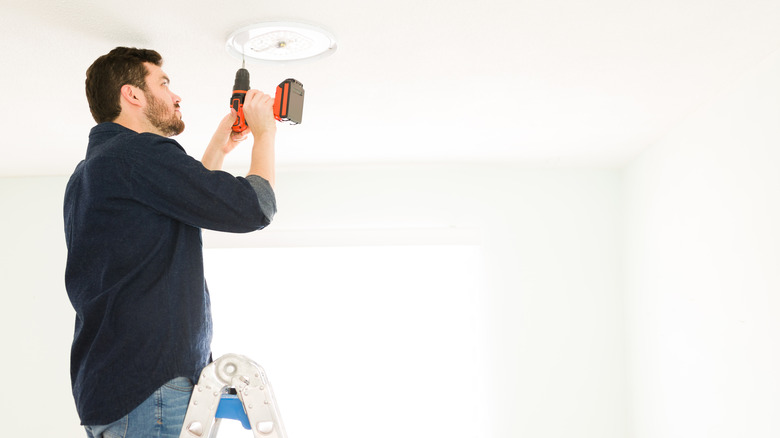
[{"x": 288, "y": 102}]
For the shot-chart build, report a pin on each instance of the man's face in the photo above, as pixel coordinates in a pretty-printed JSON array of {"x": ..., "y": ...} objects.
[{"x": 162, "y": 105}]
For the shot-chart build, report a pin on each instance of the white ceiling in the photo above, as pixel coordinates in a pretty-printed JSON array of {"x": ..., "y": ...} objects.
[{"x": 542, "y": 82}]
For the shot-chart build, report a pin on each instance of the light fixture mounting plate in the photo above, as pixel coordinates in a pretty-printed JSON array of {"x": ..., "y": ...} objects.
[{"x": 280, "y": 41}]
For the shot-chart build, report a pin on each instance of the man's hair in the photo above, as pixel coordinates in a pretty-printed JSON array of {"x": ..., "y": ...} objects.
[{"x": 107, "y": 75}]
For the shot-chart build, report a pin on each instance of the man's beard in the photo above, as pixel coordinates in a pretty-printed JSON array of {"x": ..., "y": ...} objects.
[{"x": 156, "y": 112}]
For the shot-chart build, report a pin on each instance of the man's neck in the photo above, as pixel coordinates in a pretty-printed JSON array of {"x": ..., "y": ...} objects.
[{"x": 136, "y": 124}]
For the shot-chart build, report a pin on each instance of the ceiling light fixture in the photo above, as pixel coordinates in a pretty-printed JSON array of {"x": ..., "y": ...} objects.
[{"x": 280, "y": 41}]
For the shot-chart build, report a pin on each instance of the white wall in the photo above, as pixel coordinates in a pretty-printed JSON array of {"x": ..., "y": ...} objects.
[
  {"x": 703, "y": 208},
  {"x": 550, "y": 240},
  {"x": 36, "y": 322}
]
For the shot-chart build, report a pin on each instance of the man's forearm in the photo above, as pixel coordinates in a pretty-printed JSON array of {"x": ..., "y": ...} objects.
[
  {"x": 263, "y": 157},
  {"x": 213, "y": 158}
]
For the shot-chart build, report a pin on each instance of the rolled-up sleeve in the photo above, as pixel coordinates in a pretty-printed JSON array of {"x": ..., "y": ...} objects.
[{"x": 265, "y": 195}]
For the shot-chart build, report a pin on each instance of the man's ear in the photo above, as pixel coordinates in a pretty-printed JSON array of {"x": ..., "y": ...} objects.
[{"x": 132, "y": 95}]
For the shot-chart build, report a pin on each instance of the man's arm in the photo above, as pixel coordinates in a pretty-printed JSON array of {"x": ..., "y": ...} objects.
[
  {"x": 259, "y": 113},
  {"x": 222, "y": 142}
]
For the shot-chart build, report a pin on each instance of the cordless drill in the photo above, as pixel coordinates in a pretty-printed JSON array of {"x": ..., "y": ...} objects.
[
  {"x": 288, "y": 102},
  {"x": 240, "y": 87}
]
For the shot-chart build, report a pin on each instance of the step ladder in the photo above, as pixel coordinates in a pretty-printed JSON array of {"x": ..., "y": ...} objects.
[{"x": 235, "y": 387}]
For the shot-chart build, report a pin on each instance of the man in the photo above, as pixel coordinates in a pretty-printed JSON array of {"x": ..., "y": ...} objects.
[{"x": 133, "y": 212}]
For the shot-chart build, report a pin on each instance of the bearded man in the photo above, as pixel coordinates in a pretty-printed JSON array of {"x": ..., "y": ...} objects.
[{"x": 133, "y": 213}]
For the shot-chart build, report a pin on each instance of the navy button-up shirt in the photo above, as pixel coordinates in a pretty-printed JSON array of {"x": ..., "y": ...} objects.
[{"x": 133, "y": 212}]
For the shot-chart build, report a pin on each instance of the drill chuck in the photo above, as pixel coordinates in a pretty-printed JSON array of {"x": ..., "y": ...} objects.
[{"x": 242, "y": 80}]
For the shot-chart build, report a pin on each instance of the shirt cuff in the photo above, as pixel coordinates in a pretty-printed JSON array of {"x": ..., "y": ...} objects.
[{"x": 265, "y": 195}]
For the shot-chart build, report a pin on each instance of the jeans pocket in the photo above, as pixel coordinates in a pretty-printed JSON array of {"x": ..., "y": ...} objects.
[{"x": 182, "y": 384}]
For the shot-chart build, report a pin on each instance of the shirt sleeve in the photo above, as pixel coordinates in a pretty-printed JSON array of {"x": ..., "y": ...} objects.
[{"x": 166, "y": 179}]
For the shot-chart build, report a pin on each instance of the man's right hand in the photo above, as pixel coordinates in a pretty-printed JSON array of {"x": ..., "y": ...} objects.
[{"x": 259, "y": 113}]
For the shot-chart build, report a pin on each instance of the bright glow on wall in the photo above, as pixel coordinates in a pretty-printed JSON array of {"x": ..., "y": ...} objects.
[{"x": 380, "y": 341}]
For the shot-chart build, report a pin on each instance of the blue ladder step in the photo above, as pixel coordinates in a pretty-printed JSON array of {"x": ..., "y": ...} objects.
[{"x": 230, "y": 407}]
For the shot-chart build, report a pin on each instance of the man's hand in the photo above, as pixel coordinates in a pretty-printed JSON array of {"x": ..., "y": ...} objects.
[
  {"x": 259, "y": 112},
  {"x": 222, "y": 142}
]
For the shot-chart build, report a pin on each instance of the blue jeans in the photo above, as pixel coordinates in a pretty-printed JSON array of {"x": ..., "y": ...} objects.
[{"x": 159, "y": 416}]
